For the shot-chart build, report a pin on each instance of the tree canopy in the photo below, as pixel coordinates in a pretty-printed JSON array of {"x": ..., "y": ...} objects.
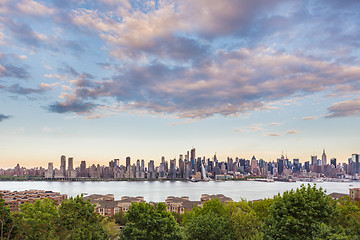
[
  {"x": 304, "y": 213},
  {"x": 146, "y": 222}
]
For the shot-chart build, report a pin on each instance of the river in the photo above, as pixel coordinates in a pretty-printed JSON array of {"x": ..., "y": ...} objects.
[{"x": 157, "y": 191}]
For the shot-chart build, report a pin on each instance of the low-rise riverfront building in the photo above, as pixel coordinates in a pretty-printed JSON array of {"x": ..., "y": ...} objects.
[
  {"x": 13, "y": 200},
  {"x": 107, "y": 206},
  {"x": 355, "y": 194}
]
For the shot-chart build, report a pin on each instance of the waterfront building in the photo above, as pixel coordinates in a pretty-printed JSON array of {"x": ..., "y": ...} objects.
[
  {"x": 324, "y": 158},
  {"x": 128, "y": 163},
  {"x": 313, "y": 160},
  {"x": 192, "y": 158},
  {"x": 71, "y": 173},
  {"x": 355, "y": 194},
  {"x": 172, "y": 174},
  {"x": 49, "y": 173},
  {"x": 13, "y": 200},
  {"x": 333, "y": 162},
  {"x": 181, "y": 204},
  {"x": 355, "y": 160},
  {"x": 151, "y": 170},
  {"x": 83, "y": 172},
  {"x": 61, "y": 173}
]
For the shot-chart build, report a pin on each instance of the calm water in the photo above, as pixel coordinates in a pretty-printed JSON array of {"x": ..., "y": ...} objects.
[{"x": 158, "y": 190}]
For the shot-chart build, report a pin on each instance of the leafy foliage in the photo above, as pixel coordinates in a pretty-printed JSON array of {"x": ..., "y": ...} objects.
[
  {"x": 38, "y": 220},
  {"x": 6, "y": 221},
  {"x": 212, "y": 221},
  {"x": 349, "y": 217},
  {"x": 120, "y": 218},
  {"x": 78, "y": 220},
  {"x": 302, "y": 214},
  {"x": 146, "y": 222}
]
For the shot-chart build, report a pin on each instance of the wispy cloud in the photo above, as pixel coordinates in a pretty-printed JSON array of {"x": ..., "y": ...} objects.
[
  {"x": 4, "y": 117},
  {"x": 349, "y": 108},
  {"x": 309, "y": 118},
  {"x": 273, "y": 134},
  {"x": 191, "y": 59},
  {"x": 293, "y": 131}
]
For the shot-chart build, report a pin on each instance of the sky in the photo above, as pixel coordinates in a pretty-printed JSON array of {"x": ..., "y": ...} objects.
[{"x": 105, "y": 79}]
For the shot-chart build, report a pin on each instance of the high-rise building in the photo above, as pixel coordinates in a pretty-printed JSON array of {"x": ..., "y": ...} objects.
[
  {"x": 323, "y": 158},
  {"x": 253, "y": 164},
  {"x": 142, "y": 166},
  {"x": 117, "y": 163},
  {"x": 83, "y": 172},
  {"x": 296, "y": 165},
  {"x": 128, "y": 163},
  {"x": 313, "y": 160},
  {"x": 333, "y": 162},
  {"x": 71, "y": 173},
  {"x": 151, "y": 170},
  {"x": 172, "y": 169},
  {"x": 49, "y": 173},
  {"x": 280, "y": 166},
  {"x": 355, "y": 160},
  {"x": 63, "y": 165},
  {"x": 192, "y": 158},
  {"x": 307, "y": 166},
  {"x": 181, "y": 166},
  {"x": 70, "y": 163}
]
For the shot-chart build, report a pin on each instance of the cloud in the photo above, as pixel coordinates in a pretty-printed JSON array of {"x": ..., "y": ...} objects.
[
  {"x": 252, "y": 128},
  {"x": 11, "y": 67},
  {"x": 33, "y": 8},
  {"x": 273, "y": 134},
  {"x": 309, "y": 118},
  {"x": 293, "y": 131},
  {"x": 71, "y": 106},
  {"x": 349, "y": 108},
  {"x": 190, "y": 59},
  {"x": 16, "y": 88},
  {"x": 4, "y": 117},
  {"x": 233, "y": 83},
  {"x": 275, "y": 123}
]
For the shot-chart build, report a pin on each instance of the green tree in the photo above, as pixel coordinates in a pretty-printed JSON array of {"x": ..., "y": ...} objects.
[
  {"x": 6, "y": 221},
  {"x": 212, "y": 221},
  {"x": 178, "y": 217},
  {"x": 37, "y": 220},
  {"x": 146, "y": 222},
  {"x": 120, "y": 218},
  {"x": 245, "y": 221},
  {"x": 261, "y": 207},
  {"x": 349, "y": 217},
  {"x": 78, "y": 220},
  {"x": 111, "y": 228},
  {"x": 302, "y": 214}
]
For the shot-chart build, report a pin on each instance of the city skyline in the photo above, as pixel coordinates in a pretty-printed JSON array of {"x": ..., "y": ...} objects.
[
  {"x": 323, "y": 157},
  {"x": 107, "y": 79}
]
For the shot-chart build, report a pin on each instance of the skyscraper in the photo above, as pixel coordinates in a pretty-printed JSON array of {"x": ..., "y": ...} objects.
[
  {"x": 313, "y": 160},
  {"x": 181, "y": 166},
  {"x": 172, "y": 169},
  {"x": 83, "y": 169},
  {"x": 63, "y": 165},
  {"x": 128, "y": 163},
  {"x": 355, "y": 160},
  {"x": 192, "y": 157},
  {"x": 70, "y": 164},
  {"x": 117, "y": 163},
  {"x": 323, "y": 158},
  {"x": 333, "y": 162},
  {"x": 71, "y": 173}
]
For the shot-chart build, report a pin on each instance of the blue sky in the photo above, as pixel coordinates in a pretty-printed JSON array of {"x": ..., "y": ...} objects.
[{"x": 99, "y": 80}]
